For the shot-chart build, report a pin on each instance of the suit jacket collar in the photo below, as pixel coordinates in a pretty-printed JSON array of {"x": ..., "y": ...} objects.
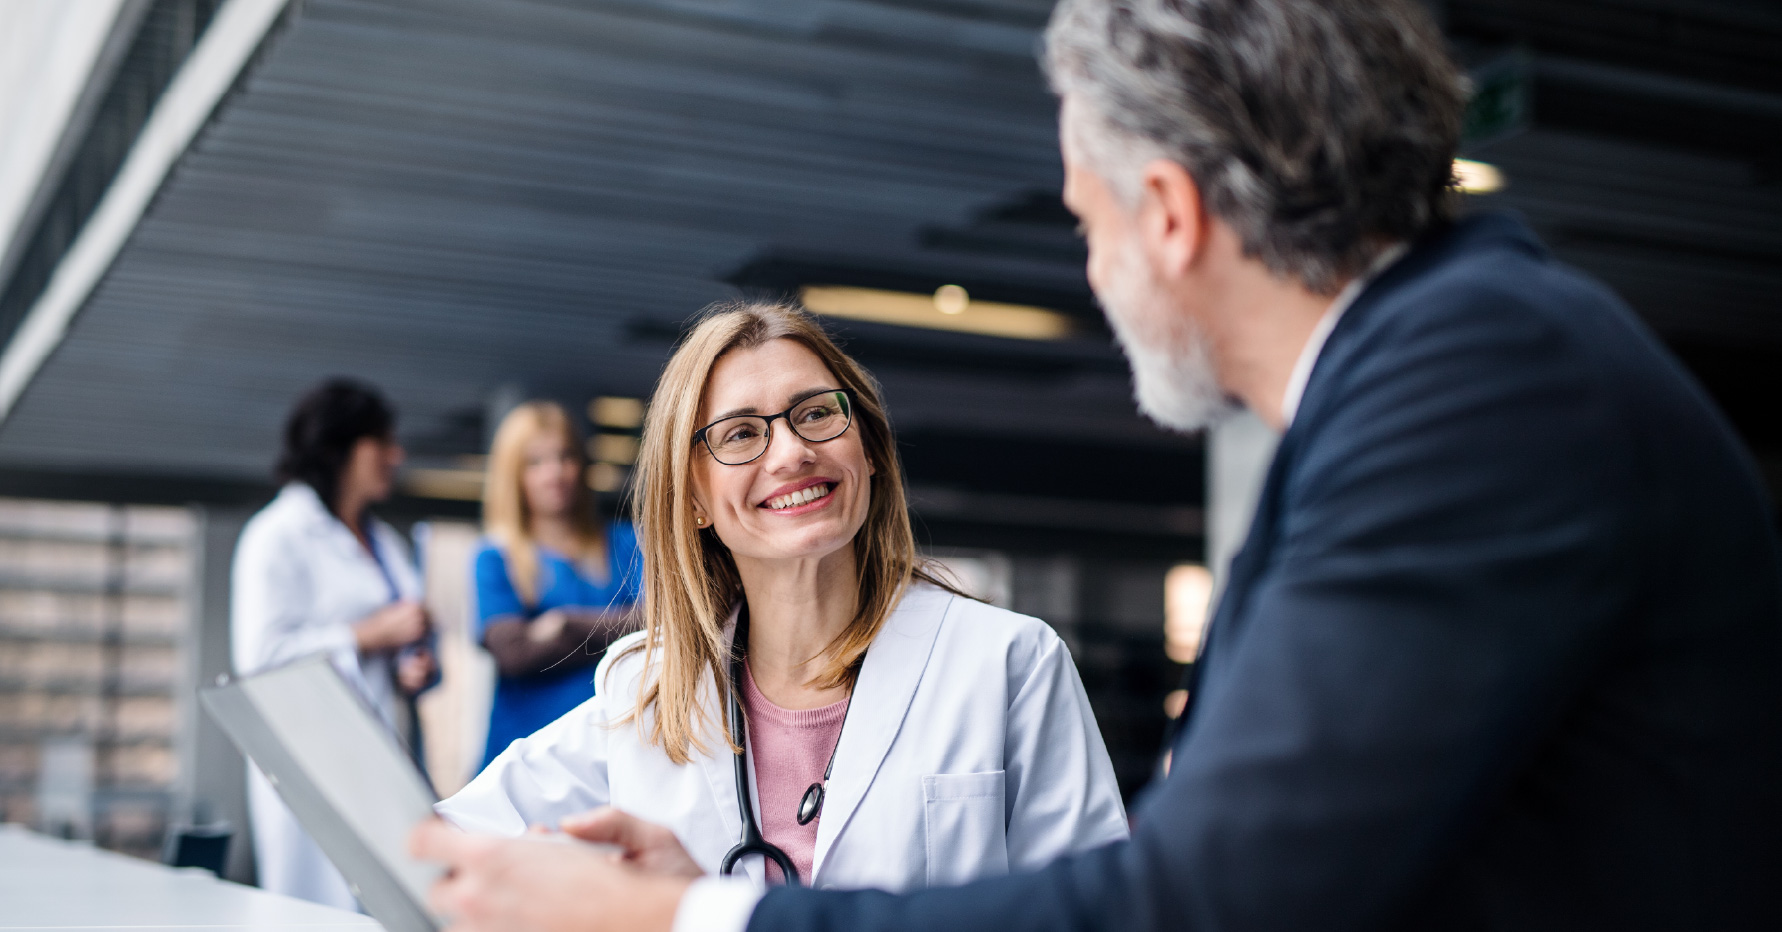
[
  {"x": 1486, "y": 230},
  {"x": 1342, "y": 350}
]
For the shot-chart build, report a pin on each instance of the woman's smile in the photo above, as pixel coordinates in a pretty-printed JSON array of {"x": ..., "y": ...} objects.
[{"x": 801, "y": 498}]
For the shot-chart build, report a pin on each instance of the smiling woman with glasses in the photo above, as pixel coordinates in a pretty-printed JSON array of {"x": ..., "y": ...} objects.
[
  {"x": 808, "y": 702},
  {"x": 739, "y": 439}
]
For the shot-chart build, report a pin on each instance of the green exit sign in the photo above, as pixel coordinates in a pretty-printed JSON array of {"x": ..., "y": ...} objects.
[{"x": 1502, "y": 100}]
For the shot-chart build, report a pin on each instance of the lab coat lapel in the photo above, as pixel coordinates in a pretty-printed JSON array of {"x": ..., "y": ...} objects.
[
  {"x": 882, "y": 695},
  {"x": 398, "y": 559},
  {"x": 326, "y": 530}
]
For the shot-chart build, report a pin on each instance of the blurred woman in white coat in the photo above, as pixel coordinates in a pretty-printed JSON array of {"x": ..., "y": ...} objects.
[
  {"x": 316, "y": 573},
  {"x": 806, "y": 702}
]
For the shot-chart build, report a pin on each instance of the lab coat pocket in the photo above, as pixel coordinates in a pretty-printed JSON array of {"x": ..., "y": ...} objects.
[{"x": 967, "y": 831}]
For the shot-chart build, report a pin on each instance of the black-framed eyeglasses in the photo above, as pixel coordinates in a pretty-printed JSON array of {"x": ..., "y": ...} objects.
[{"x": 742, "y": 438}]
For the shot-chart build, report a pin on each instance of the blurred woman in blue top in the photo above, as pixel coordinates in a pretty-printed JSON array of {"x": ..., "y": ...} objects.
[{"x": 553, "y": 588}]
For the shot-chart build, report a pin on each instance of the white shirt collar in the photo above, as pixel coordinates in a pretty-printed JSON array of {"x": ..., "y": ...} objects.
[{"x": 1308, "y": 356}]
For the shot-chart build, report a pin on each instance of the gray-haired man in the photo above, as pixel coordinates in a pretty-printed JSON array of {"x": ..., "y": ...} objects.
[{"x": 1501, "y": 649}]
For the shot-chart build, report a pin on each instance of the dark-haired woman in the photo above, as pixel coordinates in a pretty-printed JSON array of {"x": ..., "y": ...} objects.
[{"x": 315, "y": 573}]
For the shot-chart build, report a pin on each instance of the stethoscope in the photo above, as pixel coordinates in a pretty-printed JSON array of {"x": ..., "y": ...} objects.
[{"x": 809, "y": 808}]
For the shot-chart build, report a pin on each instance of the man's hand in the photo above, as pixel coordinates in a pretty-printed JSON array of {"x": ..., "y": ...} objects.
[
  {"x": 536, "y": 885},
  {"x": 649, "y": 847}
]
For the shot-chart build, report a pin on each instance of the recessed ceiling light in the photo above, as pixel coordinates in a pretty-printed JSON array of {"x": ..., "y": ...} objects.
[
  {"x": 464, "y": 485},
  {"x": 949, "y": 308},
  {"x": 618, "y": 449},
  {"x": 951, "y": 299},
  {"x": 605, "y": 477},
  {"x": 621, "y": 413},
  {"x": 1477, "y": 177}
]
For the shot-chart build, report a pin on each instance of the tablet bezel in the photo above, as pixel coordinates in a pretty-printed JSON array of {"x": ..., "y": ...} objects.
[{"x": 380, "y": 890}]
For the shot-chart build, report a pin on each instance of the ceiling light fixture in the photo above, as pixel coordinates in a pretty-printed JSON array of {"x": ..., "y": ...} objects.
[
  {"x": 605, "y": 477},
  {"x": 1477, "y": 177},
  {"x": 1187, "y": 595},
  {"x": 619, "y": 413},
  {"x": 951, "y": 299},
  {"x": 949, "y": 308},
  {"x": 463, "y": 485},
  {"x": 617, "y": 449}
]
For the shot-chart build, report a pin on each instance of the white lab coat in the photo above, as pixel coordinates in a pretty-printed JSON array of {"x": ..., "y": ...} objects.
[
  {"x": 970, "y": 750},
  {"x": 300, "y": 582}
]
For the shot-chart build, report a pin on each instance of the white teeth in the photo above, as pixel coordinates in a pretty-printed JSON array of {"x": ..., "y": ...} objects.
[{"x": 800, "y": 497}]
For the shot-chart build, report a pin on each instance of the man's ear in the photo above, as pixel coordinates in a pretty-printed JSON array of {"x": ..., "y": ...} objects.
[{"x": 1172, "y": 217}]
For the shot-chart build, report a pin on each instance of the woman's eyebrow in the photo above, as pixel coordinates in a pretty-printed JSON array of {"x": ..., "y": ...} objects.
[
  {"x": 791, "y": 400},
  {"x": 797, "y": 397}
]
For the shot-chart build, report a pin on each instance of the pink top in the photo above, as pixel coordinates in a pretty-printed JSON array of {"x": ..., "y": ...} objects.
[{"x": 791, "y": 748}]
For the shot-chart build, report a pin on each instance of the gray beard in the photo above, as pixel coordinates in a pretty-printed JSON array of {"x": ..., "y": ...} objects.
[
  {"x": 1173, "y": 380},
  {"x": 1178, "y": 392}
]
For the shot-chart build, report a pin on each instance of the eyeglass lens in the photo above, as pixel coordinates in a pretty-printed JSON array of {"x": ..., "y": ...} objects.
[{"x": 737, "y": 440}]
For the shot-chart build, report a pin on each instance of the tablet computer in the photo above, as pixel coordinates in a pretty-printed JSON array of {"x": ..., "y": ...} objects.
[{"x": 344, "y": 776}]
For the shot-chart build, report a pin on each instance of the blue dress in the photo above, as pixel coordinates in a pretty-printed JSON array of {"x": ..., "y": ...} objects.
[{"x": 524, "y": 704}]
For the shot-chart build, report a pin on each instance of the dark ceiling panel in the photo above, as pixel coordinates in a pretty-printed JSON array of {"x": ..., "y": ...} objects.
[
  {"x": 451, "y": 196},
  {"x": 447, "y": 197},
  {"x": 1723, "y": 41}
]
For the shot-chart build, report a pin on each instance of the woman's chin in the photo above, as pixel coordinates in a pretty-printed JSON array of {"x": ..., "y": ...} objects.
[
  {"x": 798, "y": 544},
  {"x": 548, "y": 509}
]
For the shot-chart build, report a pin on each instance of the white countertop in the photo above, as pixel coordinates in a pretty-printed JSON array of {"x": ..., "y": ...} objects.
[{"x": 46, "y": 883}]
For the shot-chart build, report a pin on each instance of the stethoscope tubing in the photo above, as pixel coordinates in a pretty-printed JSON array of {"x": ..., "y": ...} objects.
[{"x": 752, "y": 842}]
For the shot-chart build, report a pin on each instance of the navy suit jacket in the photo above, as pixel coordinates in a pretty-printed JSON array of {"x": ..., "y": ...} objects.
[{"x": 1503, "y": 649}]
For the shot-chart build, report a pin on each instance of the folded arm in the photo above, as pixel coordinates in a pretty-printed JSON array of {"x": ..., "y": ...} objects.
[{"x": 561, "y": 639}]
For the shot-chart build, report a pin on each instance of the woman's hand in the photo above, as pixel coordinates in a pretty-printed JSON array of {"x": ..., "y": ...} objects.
[
  {"x": 547, "y": 627},
  {"x": 395, "y": 625},
  {"x": 532, "y": 885},
  {"x": 414, "y": 670}
]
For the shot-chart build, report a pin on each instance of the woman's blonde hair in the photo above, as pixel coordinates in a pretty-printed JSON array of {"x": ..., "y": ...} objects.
[
  {"x": 690, "y": 580},
  {"x": 507, "y": 518}
]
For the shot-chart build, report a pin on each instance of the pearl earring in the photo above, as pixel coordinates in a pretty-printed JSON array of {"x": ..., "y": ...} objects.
[{"x": 700, "y": 520}]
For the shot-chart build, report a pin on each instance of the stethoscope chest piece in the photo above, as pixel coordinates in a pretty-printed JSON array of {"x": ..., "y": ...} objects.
[{"x": 811, "y": 805}]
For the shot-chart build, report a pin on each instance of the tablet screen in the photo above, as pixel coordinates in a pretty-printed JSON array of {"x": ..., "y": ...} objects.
[{"x": 344, "y": 776}]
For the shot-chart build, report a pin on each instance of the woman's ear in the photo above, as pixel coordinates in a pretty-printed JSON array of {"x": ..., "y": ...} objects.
[{"x": 702, "y": 516}]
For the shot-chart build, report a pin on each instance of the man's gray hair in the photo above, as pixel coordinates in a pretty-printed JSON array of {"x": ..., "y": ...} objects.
[{"x": 1318, "y": 129}]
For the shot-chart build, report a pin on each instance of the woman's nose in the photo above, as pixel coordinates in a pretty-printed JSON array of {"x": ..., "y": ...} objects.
[{"x": 785, "y": 449}]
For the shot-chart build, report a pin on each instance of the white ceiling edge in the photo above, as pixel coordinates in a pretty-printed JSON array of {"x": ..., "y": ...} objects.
[
  {"x": 234, "y": 34},
  {"x": 47, "y": 52}
]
